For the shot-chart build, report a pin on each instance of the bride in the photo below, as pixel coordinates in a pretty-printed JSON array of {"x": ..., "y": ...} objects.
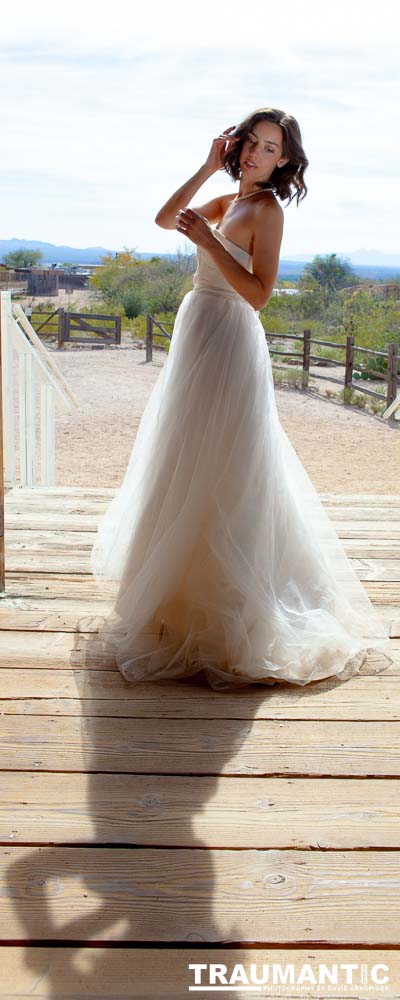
[{"x": 225, "y": 559}]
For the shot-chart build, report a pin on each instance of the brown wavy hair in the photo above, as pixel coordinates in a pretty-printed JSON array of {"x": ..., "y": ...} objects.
[{"x": 287, "y": 181}]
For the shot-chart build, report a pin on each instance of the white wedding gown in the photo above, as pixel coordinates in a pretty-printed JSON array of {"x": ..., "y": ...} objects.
[{"x": 226, "y": 560}]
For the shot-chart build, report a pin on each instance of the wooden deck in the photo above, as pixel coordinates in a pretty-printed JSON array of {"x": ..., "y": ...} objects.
[{"x": 150, "y": 826}]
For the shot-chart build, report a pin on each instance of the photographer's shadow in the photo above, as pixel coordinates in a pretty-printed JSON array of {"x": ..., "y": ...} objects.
[{"x": 140, "y": 874}]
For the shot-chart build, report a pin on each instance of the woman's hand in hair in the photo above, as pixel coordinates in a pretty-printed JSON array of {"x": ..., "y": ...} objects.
[{"x": 220, "y": 146}]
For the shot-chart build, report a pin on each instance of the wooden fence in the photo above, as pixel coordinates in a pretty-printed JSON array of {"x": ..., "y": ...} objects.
[
  {"x": 69, "y": 327},
  {"x": 11, "y": 277},
  {"x": 2, "y": 538},
  {"x": 350, "y": 364},
  {"x": 41, "y": 281},
  {"x": 32, "y": 400}
]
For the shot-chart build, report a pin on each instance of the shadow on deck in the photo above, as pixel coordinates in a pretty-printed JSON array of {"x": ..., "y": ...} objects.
[{"x": 153, "y": 826}]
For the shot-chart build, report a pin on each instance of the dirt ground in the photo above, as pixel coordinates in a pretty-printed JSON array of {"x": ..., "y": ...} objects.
[{"x": 344, "y": 450}]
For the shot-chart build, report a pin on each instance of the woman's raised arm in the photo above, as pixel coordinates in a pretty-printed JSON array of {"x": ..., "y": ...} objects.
[{"x": 166, "y": 217}]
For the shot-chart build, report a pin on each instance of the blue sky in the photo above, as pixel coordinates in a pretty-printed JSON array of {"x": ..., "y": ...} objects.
[{"x": 109, "y": 110}]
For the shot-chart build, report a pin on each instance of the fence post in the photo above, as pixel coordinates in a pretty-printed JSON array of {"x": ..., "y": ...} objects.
[
  {"x": 61, "y": 315},
  {"x": 118, "y": 330},
  {"x": 392, "y": 373},
  {"x": 149, "y": 337},
  {"x": 2, "y": 547},
  {"x": 306, "y": 358},
  {"x": 348, "y": 375}
]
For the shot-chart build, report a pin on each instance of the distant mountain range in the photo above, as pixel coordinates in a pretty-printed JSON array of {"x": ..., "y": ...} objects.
[
  {"x": 53, "y": 254},
  {"x": 366, "y": 263},
  {"x": 362, "y": 257}
]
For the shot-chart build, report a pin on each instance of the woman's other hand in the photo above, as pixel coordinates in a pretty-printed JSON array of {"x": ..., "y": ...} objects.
[{"x": 194, "y": 226}]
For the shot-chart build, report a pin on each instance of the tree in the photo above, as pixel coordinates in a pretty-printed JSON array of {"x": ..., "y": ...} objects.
[
  {"x": 22, "y": 258},
  {"x": 373, "y": 321},
  {"x": 139, "y": 286},
  {"x": 328, "y": 273}
]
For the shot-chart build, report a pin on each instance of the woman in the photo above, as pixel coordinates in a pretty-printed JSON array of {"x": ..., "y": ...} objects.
[{"x": 226, "y": 560}]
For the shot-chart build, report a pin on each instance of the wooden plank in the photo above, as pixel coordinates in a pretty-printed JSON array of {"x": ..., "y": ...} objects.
[
  {"x": 89, "y": 501},
  {"x": 57, "y": 649},
  {"x": 372, "y": 548},
  {"x": 68, "y": 504},
  {"x": 87, "y": 650},
  {"x": 250, "y": 747},
  {"x": 74, "y": 618},
  {"x": 114, "y": 708},
  {"x": 24, "y": 517},
  {"x": 334, "y": 499},
  {"x": 40, "y": 521},
  {"x": 27, "y": 561},
  {"x": 104, "y": 492},
  {"x": 377, "y": 569},
  {"x": 64, "y": 561},
  {"x": 106, "y": 693},
  {"x": 79, "y": 587},
  {"x": 49, "y": 541},
  {"x": 151, "y": 973},
  {"x": 365, "y": 513},
  {"x": 43, "y": 357},
  {"x": 351, "y": 528},
  {"x": 72, "y": 503},
  {"x": 59, "y": 614},
  {"x": 152, "y": 894},
  {"x": 383, "y": 592},
  {"x": 84, "y": 587},
  {"x": 186, "y": 811},
  {"x": 87, "y": 317},
  {"x": 369, "y": 530},
  {"x": 356, "y": 499},
  {"x": 356, "y": 528}
]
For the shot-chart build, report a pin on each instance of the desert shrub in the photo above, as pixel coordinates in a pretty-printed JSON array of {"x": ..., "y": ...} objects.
[
  {"x": 289, "y": 377},
  {"x": 377, "y": 407},
  {"x": 132, "y": 301},
  {"x": 137, "y": 286},
  {"x": 374, "y": 322}
]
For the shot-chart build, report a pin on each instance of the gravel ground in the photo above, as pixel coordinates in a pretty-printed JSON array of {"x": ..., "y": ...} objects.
[{"x": 344, "y": 450}]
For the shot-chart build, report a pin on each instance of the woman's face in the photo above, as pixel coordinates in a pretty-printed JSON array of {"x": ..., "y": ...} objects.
[{"x": 262, "y": 151}]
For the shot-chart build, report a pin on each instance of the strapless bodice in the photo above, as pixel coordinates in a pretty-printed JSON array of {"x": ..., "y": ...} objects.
[{"x": 208, "y": 276}]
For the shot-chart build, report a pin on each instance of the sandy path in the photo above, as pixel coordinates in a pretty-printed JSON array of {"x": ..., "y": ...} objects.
[{"x": 342, "y": 449}]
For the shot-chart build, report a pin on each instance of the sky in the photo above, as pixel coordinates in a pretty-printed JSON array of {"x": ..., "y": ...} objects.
[{"x": 109, "y": 109}]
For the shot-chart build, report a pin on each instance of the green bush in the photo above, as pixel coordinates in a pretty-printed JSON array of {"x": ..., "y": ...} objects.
[
  {"x": 154, "y": 285},
  {"x": 132, "y": 302}
]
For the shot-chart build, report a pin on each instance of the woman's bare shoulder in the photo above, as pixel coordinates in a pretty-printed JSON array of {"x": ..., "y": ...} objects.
[
  {"x": 267, "y": 204},
  {"x": 270, "y": 204},
  {"x": 268, "y": 213}
]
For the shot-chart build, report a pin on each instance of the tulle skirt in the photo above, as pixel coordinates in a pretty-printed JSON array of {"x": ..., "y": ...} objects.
[{"x": 225, "y": 559}]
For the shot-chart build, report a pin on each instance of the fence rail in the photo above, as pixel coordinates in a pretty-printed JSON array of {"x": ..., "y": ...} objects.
[
  {"x": 350, "y": 365},
  {"x": 41, "y": 392}
]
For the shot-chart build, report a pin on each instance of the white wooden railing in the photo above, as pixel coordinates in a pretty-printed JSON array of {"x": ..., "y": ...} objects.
[{"x": 36, "y": 370}]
